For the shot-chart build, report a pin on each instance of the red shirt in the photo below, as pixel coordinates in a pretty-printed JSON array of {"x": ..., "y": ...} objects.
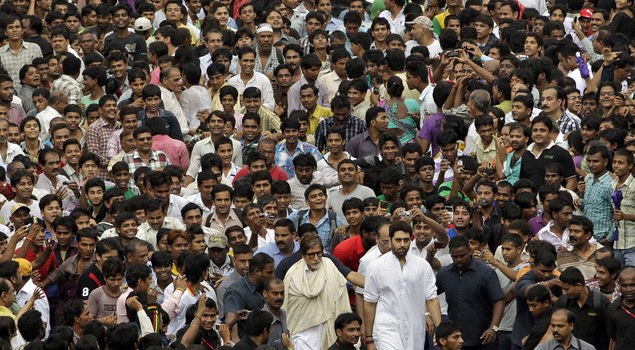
[
  {"x": 48, "y": 266},
  {"x": 350, "y": 251},
  {"x": 277, "y": 174}
]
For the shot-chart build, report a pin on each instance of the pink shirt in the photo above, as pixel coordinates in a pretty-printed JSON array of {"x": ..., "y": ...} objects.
[
  {"x": 154, "y": 76},
  {"x": 176, "y": 150}
]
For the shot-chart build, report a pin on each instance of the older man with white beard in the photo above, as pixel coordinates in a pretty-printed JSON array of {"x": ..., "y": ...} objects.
[{"x": 315, "y": 294}]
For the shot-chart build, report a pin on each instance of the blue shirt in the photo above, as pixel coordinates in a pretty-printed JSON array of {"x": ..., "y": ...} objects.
[
  {"x": 323, "y": 227},
  {"x": 273, "y": 251},
  {"x": 512, "y": 173},
  {"x": 470, "y": 296},
  {"x": 284, "y": 158}
]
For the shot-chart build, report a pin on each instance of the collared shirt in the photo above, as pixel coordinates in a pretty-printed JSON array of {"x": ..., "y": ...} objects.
[
  {"x": 512, "y": 171},
  {"x": 360, "y": 110},
  {"x": 427, "y": 106},
  {"x": 12, "y": 151},
  {"x": 220, "y": 292},
  {"x": 589, "y": 318},
  {"x": 323, "y": 227},
  {"x": 243, "y": 295},
  {"x": 172, "y": 104},
  {"x": 16, "y": 113},
  {"x": 398, "y": 24},
  {"x": 189, "y": 298},
  {"x": 612, "y": 296},
  {"x": 626, "y": 228},
  {"x": 332, "y": 82},
  {"x": 205, "y": 146},
  {"x": 278, "y": 326},
  {"x": 71, "y": 174},
  {"x": 148, "y": 234},
  {"x": 175, "y": 150},
  {"x": 45, "y": 184},
  {"x": 95, "y": 138},
  {"x": 259, "y": 81},
  {"x": 273, "y": 251},
  {"x": 350, "y": 251},
  {"x": 42, "y": 305},
  {"x": 485, "y": 154},
  {"x": 567, "y": 122},
  {"x": 224, "y": 270},
  {"x": 537, "y": 223},
  {"x": 13, "y": 62},
  {"x": 269, "y": 121},
  {"x": 362, "y": 145},
  {"x": 293, "y": 96},
  {"x": 272, "y": 61},
  {"x": 320, "y": 113},
  {"x": 547, "y": 235},
  {"x": 575, "y": 344},
  {"x": 470, "y": 296},
  {"x": 232, "y": 220},
  {"x": 353, "y": 127},
  {"x": 598, "y": 205},
  {"x": 533, "y": 167},
  {"x": 71, "y": 87},
  {"x": 45, "y": 117},
  {"x": 401, "y": 293},
  {"x": 157, "y": 160},
  {"x": 620, "y": 324},
  {"x": 284, "y": 157},
  {"x": 194, "y": 100}
]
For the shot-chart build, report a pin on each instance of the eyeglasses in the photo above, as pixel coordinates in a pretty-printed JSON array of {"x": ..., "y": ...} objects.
[
  {"x": 607, "y": 94},
  {"x": 315, "y": 254},
  {"x": 573, "y": 98}
]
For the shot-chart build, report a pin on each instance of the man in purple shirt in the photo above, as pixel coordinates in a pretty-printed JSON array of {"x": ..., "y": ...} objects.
[
  {"x": 366, "y": 143},
  {"x": 546, "y": 193}
]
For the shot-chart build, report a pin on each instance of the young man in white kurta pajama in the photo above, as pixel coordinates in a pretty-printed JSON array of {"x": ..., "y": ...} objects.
[{"x": 400, "y": 291}]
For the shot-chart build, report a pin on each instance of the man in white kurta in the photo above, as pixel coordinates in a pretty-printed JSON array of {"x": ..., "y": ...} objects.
[
  {"x": 400, "y": 289},
  {"x": 314, "y": 295}
]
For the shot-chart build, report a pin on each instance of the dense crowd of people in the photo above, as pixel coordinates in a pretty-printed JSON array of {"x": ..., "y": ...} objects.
[{"x": 198, "y": 174}]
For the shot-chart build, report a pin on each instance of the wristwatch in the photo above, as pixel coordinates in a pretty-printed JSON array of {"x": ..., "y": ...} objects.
[{"x": 495, "y": 328}]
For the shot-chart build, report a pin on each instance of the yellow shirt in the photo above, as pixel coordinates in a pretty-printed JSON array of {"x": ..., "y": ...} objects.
[
  {"x": 194, "y": 38},
  {"x": 4, "y": 311},
  {"x": 319, "y": 114}
]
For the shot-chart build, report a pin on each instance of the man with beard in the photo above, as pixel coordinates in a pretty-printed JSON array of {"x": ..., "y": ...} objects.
[
  {"x": 390, "y": 317},
  {"x": 293, "y": 54},
  {"x": 15, "y": 113},
  {"x": 311, "y": 311},
  {"x": 267, "y": 56},
  {"x": 285, "y": 244},
  {"x": 508, "y": 165},
  {"x": 541, "y": 273},
  {"x": 562, "y": 322}
]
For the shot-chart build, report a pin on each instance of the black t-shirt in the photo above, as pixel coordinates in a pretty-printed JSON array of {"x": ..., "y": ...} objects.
[
  {"x": 533, "y": 168},
  {"x": 538, "y": 330},
  {"x": 91, "y": 279},
  {"x": 134, "y": 44}
]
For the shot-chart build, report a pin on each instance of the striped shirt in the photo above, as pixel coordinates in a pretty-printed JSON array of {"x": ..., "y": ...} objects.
[
  {"x": 626, "y": 228},
  {"x": 568, "y": 258}
]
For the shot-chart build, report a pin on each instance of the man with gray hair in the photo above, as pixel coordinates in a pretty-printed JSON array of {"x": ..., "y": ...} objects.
[
  {"x": 478, "y": 103},
  {"x": 170, "y": 80}
]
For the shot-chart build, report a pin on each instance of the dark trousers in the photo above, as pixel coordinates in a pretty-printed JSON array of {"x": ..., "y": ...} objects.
[{"x": 504, "y": 340}]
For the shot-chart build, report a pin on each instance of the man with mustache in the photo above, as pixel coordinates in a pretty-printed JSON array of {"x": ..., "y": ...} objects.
[
  {"x": 273, "y": 291},
  {"x": 385, "y": 305},
  {"x": 582, "y": 247},
  {"x": 285, "y": 243},
  {"x": 519, "y": 135},
  {"x": 562, "y": 322}
]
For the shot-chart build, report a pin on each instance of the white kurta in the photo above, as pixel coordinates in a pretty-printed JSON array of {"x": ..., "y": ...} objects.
[{"x": 401, "y": 295}]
